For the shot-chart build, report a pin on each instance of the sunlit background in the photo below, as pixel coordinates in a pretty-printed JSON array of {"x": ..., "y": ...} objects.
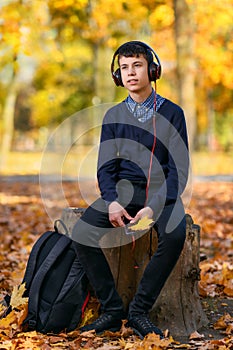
[{"x": 55, "y": 58}]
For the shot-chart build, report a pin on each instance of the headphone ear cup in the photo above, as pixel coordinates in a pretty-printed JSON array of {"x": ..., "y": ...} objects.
[
  {"x": 154, "y": 71},
  {"x": 117, "y": 77}
]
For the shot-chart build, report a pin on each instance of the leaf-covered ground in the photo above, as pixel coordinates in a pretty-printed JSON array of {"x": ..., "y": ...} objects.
[{"x": 23, "y": 218}]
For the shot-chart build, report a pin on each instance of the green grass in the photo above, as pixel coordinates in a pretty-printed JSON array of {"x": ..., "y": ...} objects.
[{"x": 82, "y": 162}]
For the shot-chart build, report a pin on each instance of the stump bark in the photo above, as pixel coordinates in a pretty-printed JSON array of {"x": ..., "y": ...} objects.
[{"x": 178, "y": 307}]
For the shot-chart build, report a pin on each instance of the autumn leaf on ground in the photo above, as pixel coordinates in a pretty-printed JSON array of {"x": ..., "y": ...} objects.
[
  {"x": 196, "y": 335},
  {"x": 12, "y": 323},
  {"x": 142, "y": 224},
  {"x": 23, "y": 219},
  {"x": 153, "y": 341},
  {"x": 125, "y": 331},
  {"x": 22, "y": 314},
  {"x": 2, "y": 309},
  {"x": 91, "y": 312},
  {"x": 87, "y": 318},
  {"x": 8, "y": 320},
  {"x": 223, "y": 322},
  {"x": 17, "y": 298}
]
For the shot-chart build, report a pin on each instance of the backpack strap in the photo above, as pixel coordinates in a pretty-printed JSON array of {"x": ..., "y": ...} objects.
[
  {"x": 59, "y": 221},
  {"x": 55, "y": 252},
  {"x": 32, "y": 260},
  {"x": 31, "y": 265}
]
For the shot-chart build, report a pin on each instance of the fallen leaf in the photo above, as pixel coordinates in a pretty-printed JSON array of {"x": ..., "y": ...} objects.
[
  {"x": 196, "y": 335},
  {"x": 8, "y": 320},
  {"x": 223, "y": 322},
  {"x": 17, "y": 298},
  {"x": 2, "y": 309}
]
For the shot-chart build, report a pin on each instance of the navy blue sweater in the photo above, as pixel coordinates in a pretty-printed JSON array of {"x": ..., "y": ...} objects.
[{"x": 125, "y": 152}]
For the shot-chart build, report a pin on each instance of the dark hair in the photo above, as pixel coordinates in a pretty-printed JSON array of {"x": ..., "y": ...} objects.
[{"x": 134, "y": 50}]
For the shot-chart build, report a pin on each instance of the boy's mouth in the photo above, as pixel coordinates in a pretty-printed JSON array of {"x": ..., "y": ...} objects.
[{"x": 132, "y": 81}]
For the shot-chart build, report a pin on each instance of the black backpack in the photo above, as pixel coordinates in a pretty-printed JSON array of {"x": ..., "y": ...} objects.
[{"x": 56, "y": 285}]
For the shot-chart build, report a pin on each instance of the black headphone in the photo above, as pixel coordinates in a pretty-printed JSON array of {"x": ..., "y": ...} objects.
[{"x": 154, "y": 69}]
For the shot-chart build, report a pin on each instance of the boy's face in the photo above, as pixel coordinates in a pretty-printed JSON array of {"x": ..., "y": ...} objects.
[{"x": 134, "y": 74}]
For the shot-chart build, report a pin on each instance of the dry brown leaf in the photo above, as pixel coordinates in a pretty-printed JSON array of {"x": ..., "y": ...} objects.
[
  {"x": 54, "y": 339},
  {"x": 223, "y": 322},
  {"x": 22, "y": 314},
  {"x": 28, "y": 344},
  {"x": 2, "y": 309},
  {"x": 229, "y": 329},
  {"x": 196, "y": 335},
  {"x": 182, "y": 346},
  {"x": 125, "y": 344},
  {"x": 153, "y": 341},
  {"x": 32, "y": 334},
  {"x": 88, "y": 334},
  {"x": 125, "y": 331}
]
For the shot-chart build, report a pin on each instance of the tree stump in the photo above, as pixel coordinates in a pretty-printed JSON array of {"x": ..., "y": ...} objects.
[{"x": 178, "y": 307}]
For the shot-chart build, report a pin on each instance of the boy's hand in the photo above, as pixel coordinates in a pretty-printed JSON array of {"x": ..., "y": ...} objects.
[
  {"x": 147, "y": 211},
  {"x": 117, "y": 214}
]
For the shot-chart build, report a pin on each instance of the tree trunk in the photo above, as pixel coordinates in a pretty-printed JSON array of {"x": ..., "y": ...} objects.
[
  {"x": 178, "y": 307},
  {"x": 8, "y": 124},
  {"x": 184, "y": 38},
  {"x": 104, "y": 90}
]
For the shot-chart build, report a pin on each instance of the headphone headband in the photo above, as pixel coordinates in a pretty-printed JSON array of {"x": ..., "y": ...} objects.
[{"x": 154, "y": 69}]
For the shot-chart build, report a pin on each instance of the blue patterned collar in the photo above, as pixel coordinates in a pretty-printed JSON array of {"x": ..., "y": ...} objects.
[{"x": 144, "y": 110}]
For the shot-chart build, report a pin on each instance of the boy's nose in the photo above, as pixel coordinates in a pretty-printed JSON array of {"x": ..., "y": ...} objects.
[{"x": 131, "y": 70}]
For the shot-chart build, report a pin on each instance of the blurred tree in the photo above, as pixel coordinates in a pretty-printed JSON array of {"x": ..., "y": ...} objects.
[
  {"x": 73, "y": 75},
  {"x": 185, "y": 63},
  {"x": 20, "y": 36},
  {"x": 63, "y": 49},
  {"x": 214, "y": 55},
  {"x": 102, "y": 25},
  {"x": 9, "y": 55}
]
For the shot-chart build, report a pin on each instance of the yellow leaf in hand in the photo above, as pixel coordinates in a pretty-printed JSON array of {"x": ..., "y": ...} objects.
[
  {"x": 17, "y": 298},
  {"x": 143, "y": 224}
]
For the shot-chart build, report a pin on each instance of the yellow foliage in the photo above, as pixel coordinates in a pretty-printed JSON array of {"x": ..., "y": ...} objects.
[
  {"x": 63, "y": 4},
  {"x": 213, "y": 40},
  {"x": 162, "y": 15}
]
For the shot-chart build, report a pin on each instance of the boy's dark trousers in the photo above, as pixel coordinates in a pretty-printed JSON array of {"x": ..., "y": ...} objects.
[{"x": 94, "y": 223}]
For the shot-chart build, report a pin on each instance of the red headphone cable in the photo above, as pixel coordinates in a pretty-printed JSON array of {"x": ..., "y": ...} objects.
[
  {"x": 150, "y": 167},
  {"x": 152, "y": 150}
]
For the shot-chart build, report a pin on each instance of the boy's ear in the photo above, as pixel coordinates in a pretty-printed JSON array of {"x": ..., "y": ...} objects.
[
  {"x": 154, "y": 71},
  {"x": 117, "y": 77}
]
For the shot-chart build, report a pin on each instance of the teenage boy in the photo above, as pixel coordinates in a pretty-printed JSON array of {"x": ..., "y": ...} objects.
[{"x": 142, "y": 171}]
